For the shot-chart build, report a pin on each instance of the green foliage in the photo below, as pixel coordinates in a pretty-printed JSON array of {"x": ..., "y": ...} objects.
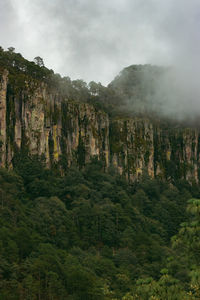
[
  {"x": 23, "y": 72},
  {"x": 16, "y": 64},
  {"x": 90, "y": 235}
]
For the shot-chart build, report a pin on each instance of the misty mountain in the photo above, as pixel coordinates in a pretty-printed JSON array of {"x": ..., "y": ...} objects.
[
  {"x": 158, "y": 92},
  {"x": 94, "y": 186}
]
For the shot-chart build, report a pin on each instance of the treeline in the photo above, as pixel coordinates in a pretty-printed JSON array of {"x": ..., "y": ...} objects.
[
  {"x": 23, "y": 72},
  {"x": 131, "y": 87},
  {"x": 17, "y": 65},
  {"x": 91, "y": 235},
  {"x": 139, "y": 90}
]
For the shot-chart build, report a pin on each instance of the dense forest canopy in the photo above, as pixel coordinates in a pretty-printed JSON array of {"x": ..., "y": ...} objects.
[
  {"x": 91, "y": 235},
  {"x": 88, "y": 234}
]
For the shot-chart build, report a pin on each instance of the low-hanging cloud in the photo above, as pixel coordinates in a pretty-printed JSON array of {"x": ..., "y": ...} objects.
[{"x": 94, "y": 40}]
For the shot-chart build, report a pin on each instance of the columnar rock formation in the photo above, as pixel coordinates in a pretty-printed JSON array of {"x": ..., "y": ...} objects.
[
  {"x": 37, "y": 119},
  {"x": 3, "y": 90}
]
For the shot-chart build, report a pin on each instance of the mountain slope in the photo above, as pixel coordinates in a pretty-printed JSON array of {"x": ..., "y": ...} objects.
[{"x": 43, "y": 114}]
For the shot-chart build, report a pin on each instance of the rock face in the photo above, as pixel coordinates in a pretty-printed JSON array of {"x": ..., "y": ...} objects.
[
  {"x": 37, "y": 120},
  {"x": 138, "y": 145},
  {"x": 3, "y": 92}
]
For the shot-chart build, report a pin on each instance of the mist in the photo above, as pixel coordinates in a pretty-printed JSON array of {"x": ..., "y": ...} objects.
[{"x": 94, "y": 40}]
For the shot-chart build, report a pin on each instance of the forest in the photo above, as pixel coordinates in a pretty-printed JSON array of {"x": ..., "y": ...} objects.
[{"x": 91, "y": 235}]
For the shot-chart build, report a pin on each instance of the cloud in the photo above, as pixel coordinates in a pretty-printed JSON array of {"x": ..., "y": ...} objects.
[
  {"x": 87, "y": 39},
  {"x": 94, "y": 40}
]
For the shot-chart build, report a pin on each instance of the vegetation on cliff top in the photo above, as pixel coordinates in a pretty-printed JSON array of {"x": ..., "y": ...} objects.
[
  {"x": 134, "y": 86},
  {"x": 22, "y": 71},
  {"x": 139, "y": 90}
]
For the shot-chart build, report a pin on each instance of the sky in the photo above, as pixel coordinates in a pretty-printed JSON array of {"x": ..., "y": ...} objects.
[{"x": 95, "y": 40}]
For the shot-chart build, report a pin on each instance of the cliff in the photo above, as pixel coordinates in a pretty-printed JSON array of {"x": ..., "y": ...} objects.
[{"x": 36, "y": 119}]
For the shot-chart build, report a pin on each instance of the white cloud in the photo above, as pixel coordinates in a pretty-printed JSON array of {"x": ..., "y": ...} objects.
[{"x": 94, "y": 40}]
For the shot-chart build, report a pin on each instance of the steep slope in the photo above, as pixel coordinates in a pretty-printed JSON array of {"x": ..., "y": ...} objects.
[{"x": 36, "y": 118}]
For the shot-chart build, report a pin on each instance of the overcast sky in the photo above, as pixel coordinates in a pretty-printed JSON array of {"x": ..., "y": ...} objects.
[{"x": 94, "y": 40}]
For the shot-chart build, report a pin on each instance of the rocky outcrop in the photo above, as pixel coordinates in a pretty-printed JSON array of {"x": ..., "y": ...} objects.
[
  {"x": 37, "y": 120},
  {"x": 3, "y": 93},
  {"x": 132, "y": 148},
  {"x": 139, "y": 145}
]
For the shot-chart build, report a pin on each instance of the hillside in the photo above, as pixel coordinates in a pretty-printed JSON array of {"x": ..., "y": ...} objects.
[
  {"x": 96, "y": 203},
  {"x": 91, "y": 235},
  {"x": 69, "y": 122}
]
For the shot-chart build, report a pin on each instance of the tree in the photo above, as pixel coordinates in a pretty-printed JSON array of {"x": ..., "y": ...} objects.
[
  {"x": 11, "y": 49},
  {"x": 39, "y": 61},
  {"x": 94, "y": 88},
  {"x": 187, "y": 241}
]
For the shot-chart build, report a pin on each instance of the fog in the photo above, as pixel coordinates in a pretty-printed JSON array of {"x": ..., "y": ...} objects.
[{"x": 94, "y": 40}]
